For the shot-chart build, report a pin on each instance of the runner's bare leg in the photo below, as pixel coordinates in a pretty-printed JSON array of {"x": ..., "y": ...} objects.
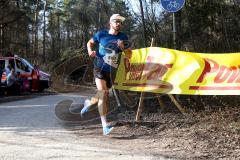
[
  {"x": 103, "y": 100},
  {"x": 94, "y": 99}
]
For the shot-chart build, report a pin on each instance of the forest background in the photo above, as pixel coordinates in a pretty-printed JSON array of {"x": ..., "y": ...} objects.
[
  {"x": 50, "y": 32},
  {"x": 47, "y": 32}
]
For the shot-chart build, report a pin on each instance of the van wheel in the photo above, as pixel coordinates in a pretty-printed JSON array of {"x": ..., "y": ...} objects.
[{"x": 41, "y": 89}]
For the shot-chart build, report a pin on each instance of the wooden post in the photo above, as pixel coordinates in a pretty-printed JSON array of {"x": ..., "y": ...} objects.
[
  {"x": 180, "y": 108},
  {"x": 140, "y": 104},
  {"x": 160, "y": 102},
  {"x": 140, "y": 107}
]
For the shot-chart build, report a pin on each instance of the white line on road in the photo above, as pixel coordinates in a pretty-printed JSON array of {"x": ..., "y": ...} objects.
[{"x": 25, "y": 106}]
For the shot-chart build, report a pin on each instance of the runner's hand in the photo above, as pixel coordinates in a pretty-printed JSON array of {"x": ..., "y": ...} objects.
[
  {"x": 92, "y": 54},
  {"x": 120, "y": 44}
]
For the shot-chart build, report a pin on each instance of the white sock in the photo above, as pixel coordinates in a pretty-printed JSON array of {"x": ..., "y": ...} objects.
[{"x": 104, "y": 121}]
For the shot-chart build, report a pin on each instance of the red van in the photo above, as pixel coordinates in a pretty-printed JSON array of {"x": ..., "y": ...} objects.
[{"x": 26, "y": 70}]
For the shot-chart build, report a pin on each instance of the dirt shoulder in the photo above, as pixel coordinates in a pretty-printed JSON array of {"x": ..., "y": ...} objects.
[{"x": 205, "y": 134}]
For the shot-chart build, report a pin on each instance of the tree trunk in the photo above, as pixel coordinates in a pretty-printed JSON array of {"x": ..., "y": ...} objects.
[
  {"x": 225, "y": 29},
  {"x": 58, "y": 35},
  {"x": 35, "y": 32},
  {"x": 44, "y": 32},
  {"x": 143, "y": 22}
]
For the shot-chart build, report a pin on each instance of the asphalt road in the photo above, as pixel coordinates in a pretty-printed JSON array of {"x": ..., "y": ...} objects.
[{"x": 30, "y": 130}]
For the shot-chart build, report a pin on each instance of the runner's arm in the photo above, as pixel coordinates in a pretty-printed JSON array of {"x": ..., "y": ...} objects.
[
  {"x": 90, "y": 45},
  {"x": 127, "y": 51}
]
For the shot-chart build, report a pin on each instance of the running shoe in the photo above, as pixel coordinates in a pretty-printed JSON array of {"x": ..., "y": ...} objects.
[
  {"x": 107, "y": 130},
  {"x": 86, "y": 107}
]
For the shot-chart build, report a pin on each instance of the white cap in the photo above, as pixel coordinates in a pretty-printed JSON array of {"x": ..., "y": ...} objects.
[{"x": 117, "y": 16}]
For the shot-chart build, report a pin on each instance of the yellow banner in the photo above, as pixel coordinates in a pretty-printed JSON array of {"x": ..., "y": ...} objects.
[{"x": 162, "y": 70}]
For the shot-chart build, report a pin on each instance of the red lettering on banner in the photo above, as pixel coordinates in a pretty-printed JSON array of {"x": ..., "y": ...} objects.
[
  {"x": 222, "y": 73},
  {"x": 234, "y": 75},
  {"x": 238, "y": 80},
  {"x": 216, "y": 88},
  {"x": 136, "y": 71},
  {"x": 210, "y": 67},
  {"x": 149, "y": 70},
  {"x": 154, "y": 71}
]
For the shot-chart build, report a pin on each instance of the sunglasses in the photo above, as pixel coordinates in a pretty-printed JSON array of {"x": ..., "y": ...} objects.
[{"x": 117, "y": 21}]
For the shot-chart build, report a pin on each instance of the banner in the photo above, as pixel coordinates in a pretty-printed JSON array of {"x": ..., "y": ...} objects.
[{"x": 162, "y": 70}]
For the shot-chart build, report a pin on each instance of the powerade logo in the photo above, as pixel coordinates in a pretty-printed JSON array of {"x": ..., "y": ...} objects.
[{"x": 221, "y": 74}]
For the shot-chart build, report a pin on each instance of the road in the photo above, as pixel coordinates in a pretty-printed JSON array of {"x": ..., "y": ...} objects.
[{"x": 30, "y": 130}]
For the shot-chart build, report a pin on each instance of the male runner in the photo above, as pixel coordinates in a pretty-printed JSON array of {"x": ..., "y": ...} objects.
[{"x": 110, "y": 42}]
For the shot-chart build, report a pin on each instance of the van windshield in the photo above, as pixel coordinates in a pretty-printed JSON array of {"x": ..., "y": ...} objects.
[{"x": 29, "y": 64}]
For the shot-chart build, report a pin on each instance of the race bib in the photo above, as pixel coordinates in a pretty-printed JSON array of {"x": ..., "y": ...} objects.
[{"x": 111, "y": 59}]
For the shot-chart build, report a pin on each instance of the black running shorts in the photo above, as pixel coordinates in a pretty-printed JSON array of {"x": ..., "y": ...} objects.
[{"x": 100, "y": 74}]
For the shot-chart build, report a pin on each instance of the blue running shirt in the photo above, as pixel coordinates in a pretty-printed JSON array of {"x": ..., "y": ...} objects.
[{"x": 107, "y": 45}]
